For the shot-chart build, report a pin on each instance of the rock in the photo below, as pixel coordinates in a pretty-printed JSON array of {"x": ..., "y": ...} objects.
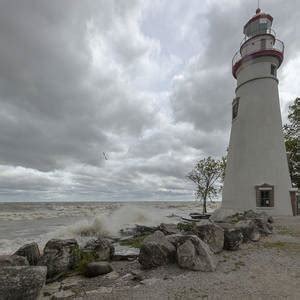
[
  {"x": 263, "y": 225},
  {"x": 156, "y": 251},
  {"x": 142, "y": 229},
  {"x": 255, "y": 236},
  {"x": 137, "y": 275},
  {"x": 129, "y": 256},
  {"x": 60, "y": 256},
  {"x": 168, "y": 229},
  {"x": 233, "y": 238},
  {"x": 101, "y": 248},
  {"x": 97, "y": 294},
  {"x": 94, "y": 269},
  {"x": 270, "y": 219},
  {"x": 63, "y": 295},
  {"x": 112, "y": 275},
  {"x": 194, "y": 254},
  {"x": 249, "y": 230},
  {"x": 31, "y": 252},
  {"x": 220, "y": 214},
  {"x": 22, "y": 282},
  {"x": 128, "y": 231},
  {"x": 138, "y": 230},
  {"x": 13, "y": 260},
  {"x": 211, "y": 234},
  {"x": 150, "y": 281}
]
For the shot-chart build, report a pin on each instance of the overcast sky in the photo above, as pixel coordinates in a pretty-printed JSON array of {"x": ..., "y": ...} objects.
[{"x": 147, "y": 82}]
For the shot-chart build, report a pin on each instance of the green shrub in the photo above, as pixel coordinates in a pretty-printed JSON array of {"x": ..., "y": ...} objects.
[
  {"x": 135, "y": 242},
  {"x": 186, "y": 226},
  {"x": 83, "y": 258}
]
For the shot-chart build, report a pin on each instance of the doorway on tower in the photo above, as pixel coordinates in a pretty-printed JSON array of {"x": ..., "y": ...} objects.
[{"x": 264, "y": 195}]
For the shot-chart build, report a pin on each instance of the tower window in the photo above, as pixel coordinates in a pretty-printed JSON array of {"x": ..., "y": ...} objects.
[
  {"x": 273, "y": 70},
  {"x": 265, "y": 195},
  {"x": 235, "y": 107}
]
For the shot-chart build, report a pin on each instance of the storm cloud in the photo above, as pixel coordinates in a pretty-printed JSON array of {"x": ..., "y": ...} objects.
[{"x": 147, "y": 82}]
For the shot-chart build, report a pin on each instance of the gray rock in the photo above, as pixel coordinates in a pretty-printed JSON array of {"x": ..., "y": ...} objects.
[
  {"x": 211, "y": 234},
  {"x": 233, "y": 238},
  {"x": 156, "y": 251},
  {"x": 103, "y": 249},
  {"x": 249, "y": 230},
  {"x": 13, "y": 260},
  {"x": 129, "y": 255},
  {"x": 255, "y": 236},
  {"x": 194, "y": 254},
  {"x": 137, "y": 275},
  {"x": 142, "y": 229},
  {"x": 129, "y": 231},
  {"x": 270, "y": 219},
  {"x": 94, "y": 269},
  {"x": 168, "y": 229},
  {"x": 221, "y": 214},
  {"x": 31, "y": 252},
  {"x": 263, "y": 225},
  {"x": 60, "y": 256},
  {"x": 22, "y": 282}
]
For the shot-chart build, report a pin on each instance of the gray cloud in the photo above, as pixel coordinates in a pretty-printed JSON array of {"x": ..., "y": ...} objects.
[{"x": 145, "y": 81}]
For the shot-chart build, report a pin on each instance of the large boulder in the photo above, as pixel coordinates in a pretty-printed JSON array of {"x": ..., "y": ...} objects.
[
  {"x": 102, "y": 249},
  {"x": 233, "y": 238},
  {"x": 220, "y": 214},
  {"x": 31, "y": 252},
  {"x": 211, "y": 234},
  {"x": 60, "y": 256},
  {"x": 12, "y": 260},
  {"x": 156, "y": 251},
  {"x": 94, "y": 269},
  {"x": 193, "y": 253},
  {"x": 22, "y": 282}
]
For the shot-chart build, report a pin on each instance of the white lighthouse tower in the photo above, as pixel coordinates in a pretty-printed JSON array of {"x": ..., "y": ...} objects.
[{"x": 257, "y": 175}]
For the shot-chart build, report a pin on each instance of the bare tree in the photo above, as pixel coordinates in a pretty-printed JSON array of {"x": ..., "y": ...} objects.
[{"x": 208, "y": 175}]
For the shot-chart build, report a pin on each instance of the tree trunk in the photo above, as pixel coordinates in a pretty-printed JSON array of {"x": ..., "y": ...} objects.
[{"x": 204, "y": 206}]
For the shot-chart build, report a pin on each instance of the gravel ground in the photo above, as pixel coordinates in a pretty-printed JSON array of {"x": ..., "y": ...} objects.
[{"x": 269, "y": 269}]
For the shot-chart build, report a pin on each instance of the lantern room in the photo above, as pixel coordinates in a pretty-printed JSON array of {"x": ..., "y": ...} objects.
[{"x": 261, "y": 23}]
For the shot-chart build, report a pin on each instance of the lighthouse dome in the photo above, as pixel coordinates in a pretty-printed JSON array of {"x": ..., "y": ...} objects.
[{"x": 260, "y": 23}]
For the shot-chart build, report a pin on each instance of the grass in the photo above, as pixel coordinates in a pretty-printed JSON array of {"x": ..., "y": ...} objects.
[
  {"x": 83, "y": 258},
  {"x": 282, "y": 246},
  {"x": 135, "y": 242},
  {"x": 287, "y": 231}
]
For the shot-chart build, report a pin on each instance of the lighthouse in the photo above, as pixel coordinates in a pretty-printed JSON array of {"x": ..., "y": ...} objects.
[{"x": 257, "y": 175}]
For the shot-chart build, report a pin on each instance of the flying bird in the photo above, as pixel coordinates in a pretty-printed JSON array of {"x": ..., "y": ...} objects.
[{"x": 105, "y": 156}]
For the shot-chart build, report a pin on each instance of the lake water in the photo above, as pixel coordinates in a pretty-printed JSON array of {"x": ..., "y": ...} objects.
[{"x": 21, "y": 223}]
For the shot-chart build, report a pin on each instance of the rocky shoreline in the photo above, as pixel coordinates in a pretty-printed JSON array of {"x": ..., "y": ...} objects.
[{"x": 64, "y": 270}]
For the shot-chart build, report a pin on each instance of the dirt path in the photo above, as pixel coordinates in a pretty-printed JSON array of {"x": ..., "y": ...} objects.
[{"x": 269, "y": 269}]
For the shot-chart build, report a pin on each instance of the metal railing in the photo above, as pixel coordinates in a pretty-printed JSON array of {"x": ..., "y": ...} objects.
[
  {"x": 277, "y": 46},
  {"x": 258, "y": 32}
]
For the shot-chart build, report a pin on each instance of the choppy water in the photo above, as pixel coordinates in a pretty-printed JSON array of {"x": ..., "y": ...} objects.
[{"x": 21, "y": 223}]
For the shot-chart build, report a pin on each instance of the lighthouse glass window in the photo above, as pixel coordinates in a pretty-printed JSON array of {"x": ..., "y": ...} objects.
[
  {"x": 235, "y": 108},
  {"x": 273, "y": 70}
]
